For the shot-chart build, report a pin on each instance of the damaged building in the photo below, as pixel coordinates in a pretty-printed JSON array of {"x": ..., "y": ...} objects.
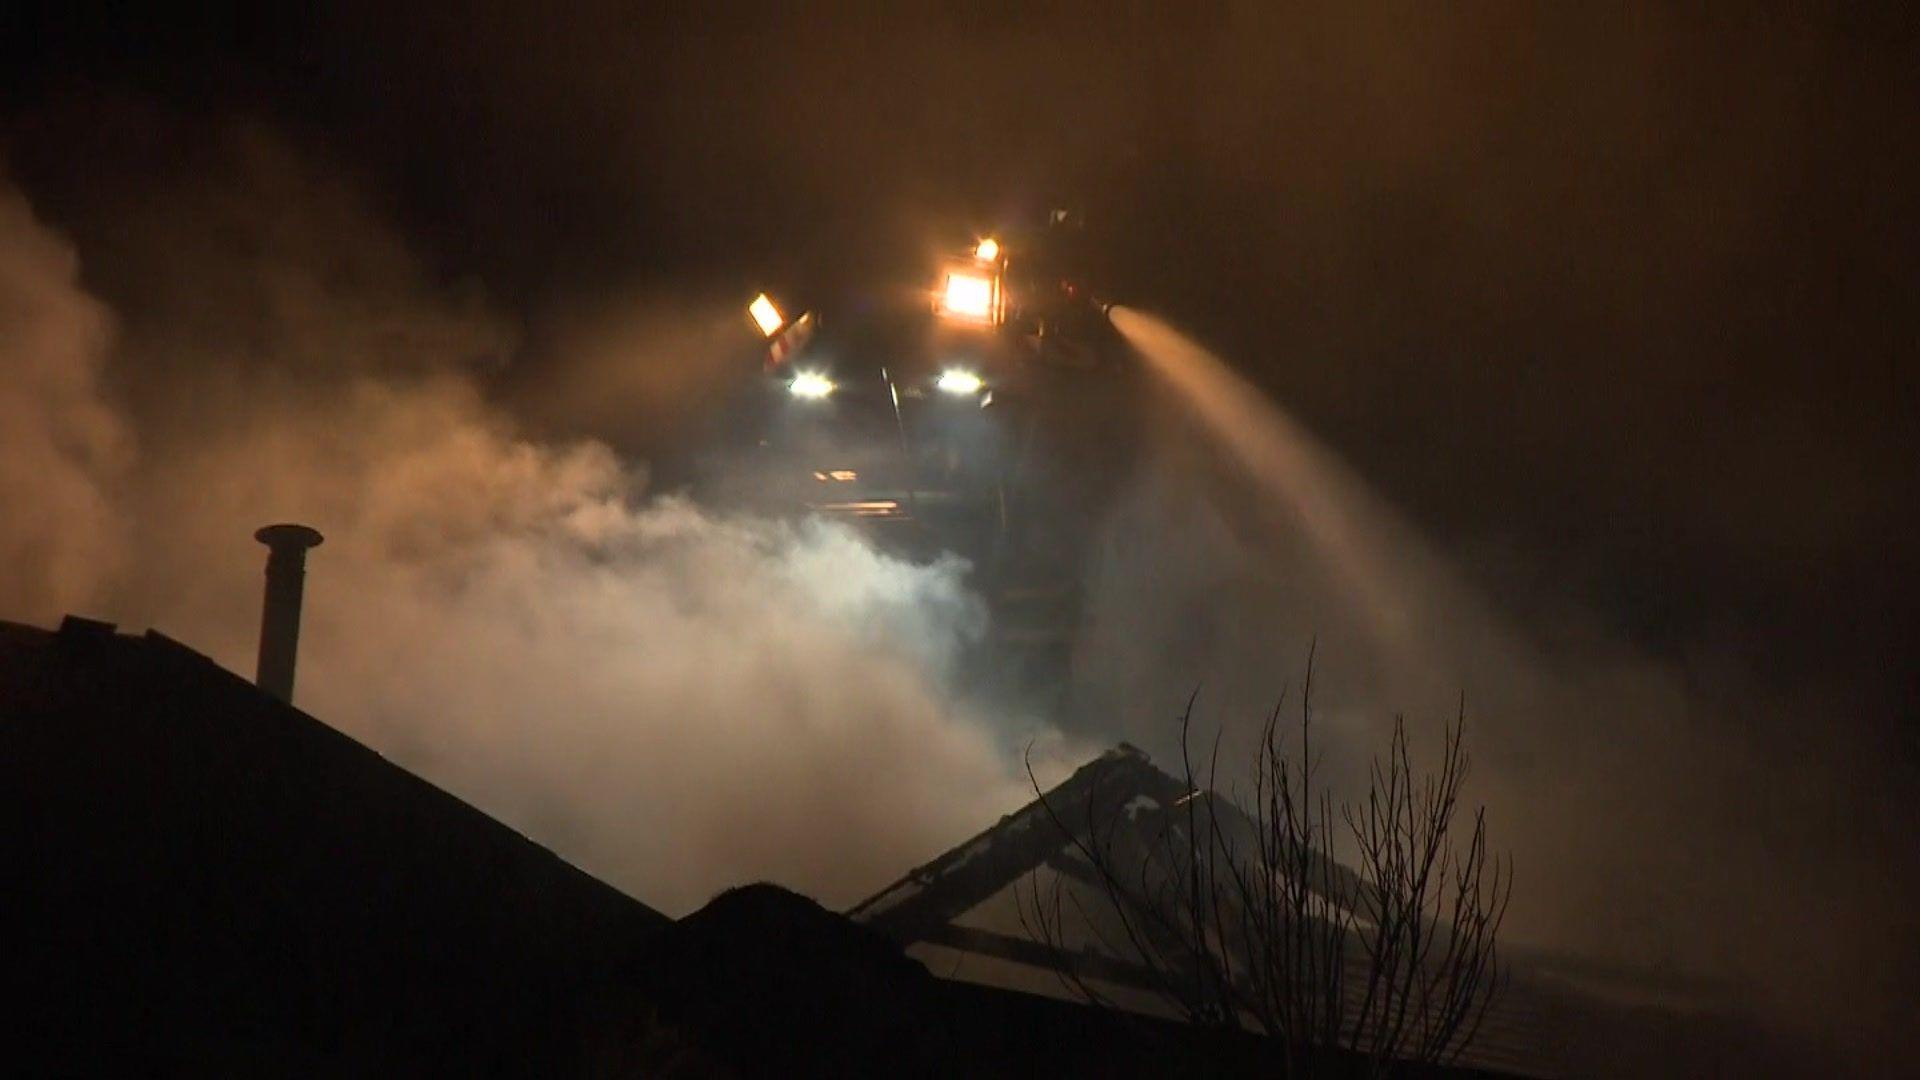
[
  {"x": 980, "y": 914},
  {"x": 207, "y": 880}
]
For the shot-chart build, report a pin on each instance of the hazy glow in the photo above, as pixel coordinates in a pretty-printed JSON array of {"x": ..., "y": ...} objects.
[
  {"x": 811, "y": 385},
  {"x": 765, "y": 315},
  {"x": 969, "y": 296},
  {"x": 988, "y": 250},
  {"x": 519, "y": 622},
  {"x": 959, "y": 381}
]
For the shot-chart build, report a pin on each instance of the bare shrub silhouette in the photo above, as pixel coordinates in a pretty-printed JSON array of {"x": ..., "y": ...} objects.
[{"x": 1245, "y": 919}]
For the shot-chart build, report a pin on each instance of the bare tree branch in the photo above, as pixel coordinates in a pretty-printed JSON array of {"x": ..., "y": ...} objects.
[{"x": 1245, "y": 918}]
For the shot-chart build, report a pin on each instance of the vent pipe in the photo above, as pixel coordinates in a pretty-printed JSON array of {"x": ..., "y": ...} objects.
[{"x": 280, "y": 615}]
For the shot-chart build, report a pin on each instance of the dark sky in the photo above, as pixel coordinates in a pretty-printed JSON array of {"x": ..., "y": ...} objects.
[{"x": 1616, "y": 303}]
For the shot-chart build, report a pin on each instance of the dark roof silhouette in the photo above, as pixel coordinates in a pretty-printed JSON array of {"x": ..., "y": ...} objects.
[
  {"x": 762, "y": 977},
  {"x": 962, "y": 914},
  {"x": 208, "y": 881},
  {"x": 205, "y": 879},
  {"x": 763, "y": 982}
]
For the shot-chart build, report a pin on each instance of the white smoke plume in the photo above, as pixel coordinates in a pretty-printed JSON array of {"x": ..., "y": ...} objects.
[
  {"x": 676, "y": 700},
  {"x": 61, "y": 447}
]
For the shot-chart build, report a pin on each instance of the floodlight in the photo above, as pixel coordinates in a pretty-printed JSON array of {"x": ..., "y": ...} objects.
[
  {"x": 765, "y": 315},
  {"x": 959, "y": 382},
  {"x": 968, "y": 296},
  {"x": 811, "y": 385}
]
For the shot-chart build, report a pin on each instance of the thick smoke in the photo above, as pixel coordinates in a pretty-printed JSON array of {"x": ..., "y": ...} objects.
[
  {"x": 60, "y": 447},
  {"x": 678, "y": 700}
]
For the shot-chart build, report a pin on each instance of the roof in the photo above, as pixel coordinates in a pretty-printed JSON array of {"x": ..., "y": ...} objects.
[
  {"x": 206, "y": 879},
  {"x": 217, "y": 880},
  {"x": 935, "y": 894},
  {"x": 763, "y": 982},
  {"x": 967, "y": 915}
]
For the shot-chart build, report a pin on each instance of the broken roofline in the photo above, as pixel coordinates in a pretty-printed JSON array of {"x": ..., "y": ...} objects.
[
  {"x": 1121, "y": 807},
  {"x": 1047, "y": 830}
]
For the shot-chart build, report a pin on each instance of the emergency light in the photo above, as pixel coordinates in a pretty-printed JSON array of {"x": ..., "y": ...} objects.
[{"x": 765, "y": 315}]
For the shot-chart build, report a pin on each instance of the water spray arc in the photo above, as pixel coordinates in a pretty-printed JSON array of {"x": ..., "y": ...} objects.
[{"x": 1398, "y": 586}]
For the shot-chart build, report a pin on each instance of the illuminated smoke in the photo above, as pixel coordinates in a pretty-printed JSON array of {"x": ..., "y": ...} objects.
[
  {"x": 61, "y": 448},
  {"x": 675, "y": 699}
]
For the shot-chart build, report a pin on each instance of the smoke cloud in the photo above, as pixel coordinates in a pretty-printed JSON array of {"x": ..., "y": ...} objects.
[
  {"x": 61, "y": 447},
  {"x": 676, "y": 699}
]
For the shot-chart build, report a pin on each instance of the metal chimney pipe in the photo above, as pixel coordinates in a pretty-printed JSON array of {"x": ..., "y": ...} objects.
[{"x": 280, "y": 614}]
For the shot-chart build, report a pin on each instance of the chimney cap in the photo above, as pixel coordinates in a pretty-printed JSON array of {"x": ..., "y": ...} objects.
[{"x": 297, "y": 537}]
